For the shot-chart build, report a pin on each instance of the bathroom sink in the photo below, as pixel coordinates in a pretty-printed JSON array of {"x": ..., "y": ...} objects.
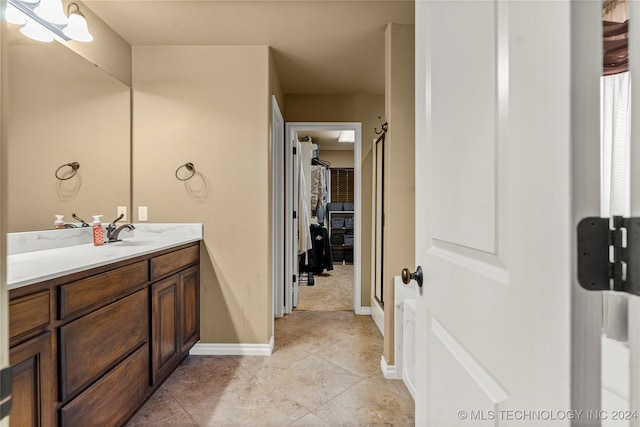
[{"x": 128, "y": 243}]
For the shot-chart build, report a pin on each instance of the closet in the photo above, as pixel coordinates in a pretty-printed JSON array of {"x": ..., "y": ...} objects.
[
  {"x": 328, "y": 154},
  {"x": 326, "y": 261},
  {"x": 314, "y": 251}
]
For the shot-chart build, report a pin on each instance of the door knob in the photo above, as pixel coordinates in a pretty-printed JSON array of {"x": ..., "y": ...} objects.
[{"x": 407, "y": 276}]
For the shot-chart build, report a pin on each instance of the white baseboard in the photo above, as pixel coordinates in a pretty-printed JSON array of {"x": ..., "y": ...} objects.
[
  {"x": 389, "y": 371},
  {"x": 205, "y": 349},
  {"x": 363, "y": 311}
]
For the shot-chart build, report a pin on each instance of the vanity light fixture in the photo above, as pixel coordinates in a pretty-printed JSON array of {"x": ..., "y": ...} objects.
[
  {"x": 50, "y": 17},
  {"x": 35, "y": 32},
  {"x": 14, "y": 16},
  {"x": 51, "y": 11},
  {"x": 77, "y": 28}
]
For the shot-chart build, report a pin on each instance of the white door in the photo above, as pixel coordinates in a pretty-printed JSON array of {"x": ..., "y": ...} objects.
[
  {"x": 291, "y": 218},
  {"x": 493, "y": 213}
]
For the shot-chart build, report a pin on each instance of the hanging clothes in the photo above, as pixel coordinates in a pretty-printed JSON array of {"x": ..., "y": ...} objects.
[
  {"x": 304, "y": 220},
  {"x": 317, "y": 186},
  {"x": 320, "y": 256}
]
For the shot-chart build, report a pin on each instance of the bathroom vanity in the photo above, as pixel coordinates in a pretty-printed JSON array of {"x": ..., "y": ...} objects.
[{"x": 88, "y": 347}]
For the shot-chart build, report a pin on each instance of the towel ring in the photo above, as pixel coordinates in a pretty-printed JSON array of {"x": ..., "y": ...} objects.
[
  {"x": 74, "y": 167},
  {"x": 189, "y": 166}
]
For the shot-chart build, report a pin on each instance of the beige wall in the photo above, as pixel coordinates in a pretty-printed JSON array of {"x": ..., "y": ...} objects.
[
  {"x": 399, "y": 232},
  {"x": 347, "y": 108},
  {"x": 338, "y": 158},
  {"x": 108, "y": 50},
  {"x": 207, "y": 105}
]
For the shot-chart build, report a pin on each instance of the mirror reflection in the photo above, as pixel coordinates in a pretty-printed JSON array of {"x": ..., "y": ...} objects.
[
  {"x": 62, "y": 110},
  {"x": 615, "y": 107}
]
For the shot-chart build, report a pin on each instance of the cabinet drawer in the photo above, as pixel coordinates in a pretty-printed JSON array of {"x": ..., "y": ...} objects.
[
  {"x": 94, "y": 343},
  {"x": 76, "y": 296},
  {"x": 114, "y": 398},
  {"x": 29, "y": 313},
  {"x": 174, "y": 261}
]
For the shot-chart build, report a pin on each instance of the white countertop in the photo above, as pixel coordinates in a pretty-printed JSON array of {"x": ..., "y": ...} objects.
[{"x": 29, "y": 267}]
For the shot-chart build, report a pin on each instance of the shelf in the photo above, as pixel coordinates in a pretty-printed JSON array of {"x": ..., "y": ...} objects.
[{"x": 340, "y": 230}]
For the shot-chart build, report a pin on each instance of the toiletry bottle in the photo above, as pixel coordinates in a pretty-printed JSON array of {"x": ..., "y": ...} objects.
[
  {"x": 98, "y": 234},
  {"x": 59, "y": 222}
]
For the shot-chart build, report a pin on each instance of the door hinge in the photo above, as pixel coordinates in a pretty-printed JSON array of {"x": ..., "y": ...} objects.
[
  {"x": 6, "y": 376},
  {"x": 295, "y": 278},
  {"x": 295, "y": 151},
  {"x": 295, "y": 214},
  {"x": 609, "y": 254}
]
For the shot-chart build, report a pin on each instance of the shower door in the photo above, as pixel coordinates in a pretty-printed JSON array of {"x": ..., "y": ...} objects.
[{"x": 379, "y": 219}]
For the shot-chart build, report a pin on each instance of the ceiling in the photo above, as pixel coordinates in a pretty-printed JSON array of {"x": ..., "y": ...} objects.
[
  {"x": 327, "y": 140},
  {"x": 319, "y": 46}
]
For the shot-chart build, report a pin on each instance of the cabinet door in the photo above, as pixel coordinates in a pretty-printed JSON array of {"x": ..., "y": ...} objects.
[
  {"x": 165, "y": 326},
  {"x": 190, "y": 308},
  {"x": 33, "y": 383}
]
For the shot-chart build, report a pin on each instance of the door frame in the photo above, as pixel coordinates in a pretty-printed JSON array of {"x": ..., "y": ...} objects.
[
  {"x": 586, "y": 69},
  {"x": 277, "y": 224},
  {"x": 291, "y": 129},
  {"x": 377, "y": 231}
]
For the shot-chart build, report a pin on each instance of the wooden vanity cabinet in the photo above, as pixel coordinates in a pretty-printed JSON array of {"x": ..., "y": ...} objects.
[
  {"x": 89, "y": 349},
  {"x": 32, "y": 357},
  {"x": 175, "y": 316},
  {"x": 33, "y": 382}
]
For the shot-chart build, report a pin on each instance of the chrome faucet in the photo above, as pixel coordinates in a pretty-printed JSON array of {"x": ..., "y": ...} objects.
[{"x": 113, "y": 232}]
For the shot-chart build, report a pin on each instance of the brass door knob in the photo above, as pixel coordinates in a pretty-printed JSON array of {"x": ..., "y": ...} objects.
[{"x": 407, "y": 276}]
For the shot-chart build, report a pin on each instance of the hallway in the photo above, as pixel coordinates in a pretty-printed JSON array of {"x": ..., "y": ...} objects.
[
  {"x": 324, "y": 371},
  {"x": 332, "y": 291}
]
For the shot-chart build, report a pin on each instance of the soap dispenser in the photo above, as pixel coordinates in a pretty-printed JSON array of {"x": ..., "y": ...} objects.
[
  {"x": 59, "y": 222},
  {"x": 98, "y": 233}
]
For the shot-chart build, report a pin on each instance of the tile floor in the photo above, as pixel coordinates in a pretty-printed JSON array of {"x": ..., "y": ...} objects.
[{"x": 325, "y": 371}]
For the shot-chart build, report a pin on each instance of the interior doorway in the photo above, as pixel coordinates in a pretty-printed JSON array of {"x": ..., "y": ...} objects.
[{"x": 295, "y": 210}]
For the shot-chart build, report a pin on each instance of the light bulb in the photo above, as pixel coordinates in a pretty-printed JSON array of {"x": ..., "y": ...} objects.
[
  {"x": 52, "y": 11},
  {"x": 77, "y": 28},
  {"x": 35, "y": 32},
  {"x": 14, "y": 16}
]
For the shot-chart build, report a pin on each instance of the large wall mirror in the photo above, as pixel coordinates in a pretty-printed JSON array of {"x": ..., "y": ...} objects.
[
  {"x": 620, "y": 336},
  {"x": 60, "y": 109}
]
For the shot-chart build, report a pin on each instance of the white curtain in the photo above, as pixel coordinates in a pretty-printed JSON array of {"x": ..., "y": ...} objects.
[{"x": 616, "y": 131}]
